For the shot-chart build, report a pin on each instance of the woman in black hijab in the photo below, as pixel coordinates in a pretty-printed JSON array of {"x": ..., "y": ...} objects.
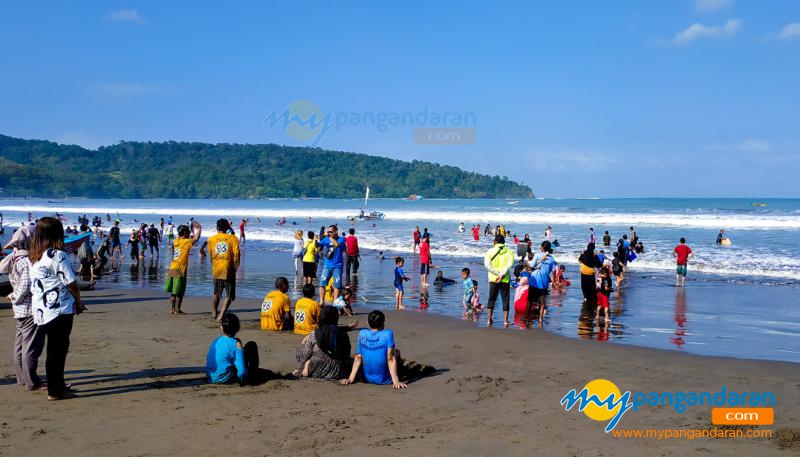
[
  {"x": 589, "y": 261},
  {"x": 324, "y": 353}
]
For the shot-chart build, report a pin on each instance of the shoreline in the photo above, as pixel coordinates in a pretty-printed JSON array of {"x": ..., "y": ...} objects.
[{"x": 139, "y": 373}]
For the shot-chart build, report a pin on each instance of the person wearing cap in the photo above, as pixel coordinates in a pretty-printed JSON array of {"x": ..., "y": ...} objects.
[
  {"x": 498, "y": 262},
  {"x": 28, "y": 338},
  {"x": 223, "y": 249}
]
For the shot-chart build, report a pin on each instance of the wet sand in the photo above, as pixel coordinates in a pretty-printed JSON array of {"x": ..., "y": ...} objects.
[{"x": 143, "y": 392}]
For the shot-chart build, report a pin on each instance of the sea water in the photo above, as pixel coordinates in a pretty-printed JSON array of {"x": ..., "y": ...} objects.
[{"x": 735, "y": 296}]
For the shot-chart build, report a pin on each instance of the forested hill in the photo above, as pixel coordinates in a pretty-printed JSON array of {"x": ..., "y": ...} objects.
[{"x": 199, "y": 170}]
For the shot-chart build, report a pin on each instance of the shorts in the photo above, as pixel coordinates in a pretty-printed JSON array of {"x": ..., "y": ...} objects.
[
  {"x": 602, "y": 300},
  {"x": 297, "y": 255},
  {"x": 424, "y": 269},
  {"x": 681, "y": 270},
  {"x": 309, "y": 269},
  {"x": 176, "y": 285},
  {"x": 170, "y": 237},
  {"x": 115, "y": 244},
  {"x": 327, "y": 273},
  {"x": 399, "y": 287},
  {"x": 225, "y": 285},
  {"x": 534, "y": 294}
]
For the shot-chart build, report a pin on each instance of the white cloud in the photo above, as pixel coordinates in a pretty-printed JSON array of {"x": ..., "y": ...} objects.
[
  {"x": 706, "y": 6},
  {"x": 698, "y": 30},
  {"x": 753, "y": 145},
  {"x": 790, "y": 31},
  {"x": 125, "y": 15}
]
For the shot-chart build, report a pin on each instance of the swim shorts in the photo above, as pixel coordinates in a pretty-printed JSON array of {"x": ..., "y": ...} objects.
[
  {"x": 176, "y": 285},
  {"x": 602, "y": 300},
  {"x": 681, "y": 270},
  {"x": 399, "y": 286},
  {"x": 424, "y": 269},
  {"x": 225, "y": 285},
  {"x": 327, "y": 273}
]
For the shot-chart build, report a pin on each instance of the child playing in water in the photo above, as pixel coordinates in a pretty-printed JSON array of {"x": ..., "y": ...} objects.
[
  {"x": 604, "y": 290},
  {"x": 618, "y": 269},
  {"x": 467, "y": 285},
  {"x": 474, "y": 307},
  {"x": 342, "y": 302},
  {"x": 399, "y": 277},
  {"x": 441, "y": 280}
]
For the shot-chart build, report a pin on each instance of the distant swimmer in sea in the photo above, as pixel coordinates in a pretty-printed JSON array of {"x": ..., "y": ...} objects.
[
  {"x": 461, "y": 228},
  {"x": 721, "y": 240},
  {"x": 441, "y": 280}
]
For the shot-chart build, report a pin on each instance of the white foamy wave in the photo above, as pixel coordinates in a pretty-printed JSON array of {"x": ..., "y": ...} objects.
[
  {"x": 764, "y": 266},
  {"x": 516, "y": 216}
]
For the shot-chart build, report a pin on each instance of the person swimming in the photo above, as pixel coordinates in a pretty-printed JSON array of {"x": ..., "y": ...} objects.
[{"x": 441, "y": 280}]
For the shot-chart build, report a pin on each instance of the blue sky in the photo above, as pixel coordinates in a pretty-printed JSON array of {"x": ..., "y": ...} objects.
[{"x": 663, "y": 98}]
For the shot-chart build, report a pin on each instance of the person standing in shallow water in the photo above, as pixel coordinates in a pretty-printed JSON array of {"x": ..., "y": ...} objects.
[
  {"x": 498, "y": 262},
  {"x": 682, "y": 254},
  {"x": 589, "y": 261}
]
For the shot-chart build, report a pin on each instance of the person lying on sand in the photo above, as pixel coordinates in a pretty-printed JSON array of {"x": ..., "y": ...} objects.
[{"x": 228, "y": 361}]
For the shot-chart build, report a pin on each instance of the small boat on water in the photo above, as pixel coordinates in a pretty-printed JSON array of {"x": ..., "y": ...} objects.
[
  {"x": 414, "y": 197},
  {"x": 368, "y": 216},
  {"x": 759, "y": 204}
]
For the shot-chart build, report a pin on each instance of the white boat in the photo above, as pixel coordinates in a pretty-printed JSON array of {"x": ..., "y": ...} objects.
[{"x": 368, "y": 216}]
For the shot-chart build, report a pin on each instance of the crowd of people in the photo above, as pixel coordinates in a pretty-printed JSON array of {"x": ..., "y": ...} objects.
[{"x": 46, "y": 295}]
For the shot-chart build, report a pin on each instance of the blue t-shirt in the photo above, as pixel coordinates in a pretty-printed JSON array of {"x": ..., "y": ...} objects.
[
  {"x": 338, "y": 254},
  {"x": 398, "y": 276},
  {"x": 468, "y": 289},
  {"x": 602, "y": 257},
  {"x": 225, "y": 360},
  {"x": 540, "y": 277},
  {"x": 373, "y": 347}
]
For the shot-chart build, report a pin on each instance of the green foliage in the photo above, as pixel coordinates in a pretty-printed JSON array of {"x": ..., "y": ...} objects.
[{"x": 201, "y": 170}]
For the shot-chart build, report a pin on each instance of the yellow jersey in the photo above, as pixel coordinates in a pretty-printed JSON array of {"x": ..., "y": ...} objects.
[
  {"x": 306, "y": 316},
  {"x": 180, "y": 257},
  {"x": 311, "y": 251},
  {"x": 223, "y": 249},
  {"x": 274, "y": 310}
]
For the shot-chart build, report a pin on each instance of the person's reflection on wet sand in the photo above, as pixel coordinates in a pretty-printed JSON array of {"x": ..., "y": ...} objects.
[{"x": 680, "y": 317}]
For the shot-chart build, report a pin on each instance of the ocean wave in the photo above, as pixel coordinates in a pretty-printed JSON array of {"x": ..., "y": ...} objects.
[{"x": 515, "y": 216}]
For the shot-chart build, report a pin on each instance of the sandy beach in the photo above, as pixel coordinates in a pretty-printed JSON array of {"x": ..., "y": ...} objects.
[{"x": 143, "y": 392}]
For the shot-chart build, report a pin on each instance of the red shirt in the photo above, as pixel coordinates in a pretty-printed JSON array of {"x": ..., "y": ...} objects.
[
  {"x": 425, "y": 253},
  {"x": 352, "y": 245},
  {"x": 416, "y": 236},
  {"x": 683, "y": 252},
  {"x": 241, "y": 227}
]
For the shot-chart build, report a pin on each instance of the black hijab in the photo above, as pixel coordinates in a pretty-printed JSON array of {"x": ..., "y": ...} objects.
[
  {"x": 589, "y": 258},
  {"x": 332, "y": 341}
]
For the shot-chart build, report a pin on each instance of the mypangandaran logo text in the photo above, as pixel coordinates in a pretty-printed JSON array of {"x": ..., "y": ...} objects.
[
  {"x": 602, "y": 400},
  {"x": 303, "y": 120}
]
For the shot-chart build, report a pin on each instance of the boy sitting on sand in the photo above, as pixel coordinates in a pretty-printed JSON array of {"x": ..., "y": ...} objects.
[
  {"x": 306, "y": 312},
  {"x": 276, "y": 309},
  {"x": 375, "y": 350},
  {"x": 228, "y": 361}
]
